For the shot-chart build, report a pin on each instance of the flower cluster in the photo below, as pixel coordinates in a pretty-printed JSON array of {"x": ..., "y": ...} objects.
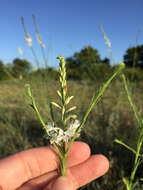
[
  {"x": 20, "y": 51},
  {"x": 68, "y": 131},
  {"x": 58, "y": 136},
  {"x": 28, "y": 40},
  {"x": 107, "y": 41},
  {"x": 27, "y": 36}
]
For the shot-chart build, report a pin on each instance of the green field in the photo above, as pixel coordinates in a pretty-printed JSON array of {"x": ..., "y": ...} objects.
[{"x": 111, "y": 118}]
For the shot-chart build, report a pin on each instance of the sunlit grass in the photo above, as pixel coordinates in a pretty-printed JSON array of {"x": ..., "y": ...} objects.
[{"x": 112, "y": 118}]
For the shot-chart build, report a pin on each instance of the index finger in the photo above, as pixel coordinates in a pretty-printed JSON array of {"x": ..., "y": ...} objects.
[{"x": 23, "y": 166}]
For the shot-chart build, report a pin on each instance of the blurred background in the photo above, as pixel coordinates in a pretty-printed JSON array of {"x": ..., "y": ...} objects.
[{"x": 93, "y": 36}]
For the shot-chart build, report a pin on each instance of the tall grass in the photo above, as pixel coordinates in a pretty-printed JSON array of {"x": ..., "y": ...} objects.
[
  {"x": 131, "y": 182},
  {"x": 111, "y": 119}
]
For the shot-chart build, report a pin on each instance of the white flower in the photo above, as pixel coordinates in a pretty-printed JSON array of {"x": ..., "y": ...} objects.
[
  {"x": 108, "y": 43},
  {"x": 40, "y": 42},
  {"x": 50, "y": 125},
  {"x": 28, "y": 40},
  {"x": 20, "y": 51},
  {"x": 57, "y": 135},
  {"x": 72, "y": 129},
  {"x": 75, "y": 124}
]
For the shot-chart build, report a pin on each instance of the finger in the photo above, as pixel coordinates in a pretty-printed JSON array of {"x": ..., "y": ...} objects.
[
  {"x": 81, "y": 174},
  {"x": 23, "y": 166},
  {"x": 89, "y": 170},
  {"x": 85, "y": 172},
  {"x": 40, "y": 182},
  {"x": 63, "y": 183}
]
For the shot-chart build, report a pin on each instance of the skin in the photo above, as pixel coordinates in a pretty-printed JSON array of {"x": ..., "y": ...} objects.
[{"x": 37, "y": 169}]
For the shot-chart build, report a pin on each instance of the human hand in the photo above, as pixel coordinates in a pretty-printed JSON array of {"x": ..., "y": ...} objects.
[{"x": 37, "y": 169}]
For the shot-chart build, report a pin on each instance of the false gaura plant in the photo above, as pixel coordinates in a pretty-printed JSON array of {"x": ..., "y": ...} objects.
[{"x": 70, "y": 126}]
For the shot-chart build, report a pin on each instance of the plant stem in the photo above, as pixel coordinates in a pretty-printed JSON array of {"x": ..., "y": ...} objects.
[
  {"x": 63, "y": 165},
  {"x": 140, "y": 137},
  {"x": 94, "y": 102},
  {"x": 130, "y": 100},
  {"x": 137, "y": 160},
  {"x": 35, "y": 57}
]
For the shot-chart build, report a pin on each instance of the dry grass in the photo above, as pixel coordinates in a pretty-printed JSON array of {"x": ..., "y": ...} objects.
[{"x": 111, "y": 118}]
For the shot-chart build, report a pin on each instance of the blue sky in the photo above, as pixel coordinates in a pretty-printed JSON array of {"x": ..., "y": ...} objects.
[{"x": 67, "y": 26}]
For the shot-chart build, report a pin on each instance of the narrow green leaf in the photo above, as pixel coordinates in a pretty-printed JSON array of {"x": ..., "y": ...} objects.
[
  {"x": 95, "y": 101},
  {"x": 133, "y": 106},
  {"x": 125, "y": 145},
  {"x": 127, "y": 183},
  {"x": 33, "y": 103},
  {"x": 28, "y": 90}
]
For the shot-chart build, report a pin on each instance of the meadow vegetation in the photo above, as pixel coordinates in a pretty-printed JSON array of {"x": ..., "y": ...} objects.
[{"x": 112, "y": 118}]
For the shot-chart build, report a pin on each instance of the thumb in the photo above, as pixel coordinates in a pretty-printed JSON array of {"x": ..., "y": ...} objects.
[{"x": 62, "y": 183}]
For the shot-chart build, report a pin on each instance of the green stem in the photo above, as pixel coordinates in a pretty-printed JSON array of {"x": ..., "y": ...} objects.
[
  {"x": 126, "y": 146},
  {"x": 130, "y": 101},
  {"x": 58, "y": 151},
  {"x": 137, "y": 160},
  {"x": 35, "y": 56},
  {"x": 35, "y": 106},
  {"x": 63, "y": 159},
  {"x": 140, "y": 138},
  {"x": 94, "y": 102},
  {"x": 44, "y": 57},
  {"x": 38, "y": 36},
  {"x": 63, "y": 165}
]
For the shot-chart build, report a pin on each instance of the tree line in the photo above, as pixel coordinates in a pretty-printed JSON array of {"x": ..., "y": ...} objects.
[{"x": 84, "y": 65}]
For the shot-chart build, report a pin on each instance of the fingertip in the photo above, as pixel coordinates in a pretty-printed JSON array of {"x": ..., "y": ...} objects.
[
  {"x": 61, "y": 183},
  {"x": 78, "y": 145},
  {"x": 85, "y": 148},
  {"x": 94, "y": 167},
  {"x": 78, "y": 153},
  {"x": 104, "y": 167}
]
